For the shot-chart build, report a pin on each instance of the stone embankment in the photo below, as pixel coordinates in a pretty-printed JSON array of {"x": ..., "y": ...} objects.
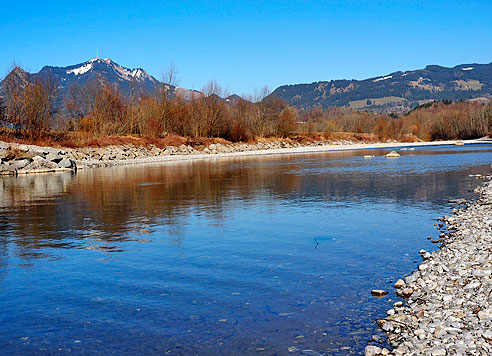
[
  {"x": 448, "y": 308},
  {"x": 22, "y": 159}
]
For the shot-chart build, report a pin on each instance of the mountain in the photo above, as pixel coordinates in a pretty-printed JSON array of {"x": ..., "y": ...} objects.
[
  {"x": 128, "y": 80},
  {"x": 18, "y": 76},
  {"x": 188, "y": 94},
  {"x": 395, "y": 92},
  {"x": 232, "y": 99}
]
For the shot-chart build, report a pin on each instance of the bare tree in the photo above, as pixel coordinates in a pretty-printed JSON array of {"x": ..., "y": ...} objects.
[
  {"x": 167, "y": 91},
  {"x": 14, "y": 85},
  {"x": 261, "y": 94},
  {"x": 3, "y": 116},
  {"x": 38, "y": 106},
  {"x": 108, "y": 115},
  {"x": 148, "y": 116},
  {"x": 74, "y": 107},
  {"x": 212, "y": 109}
]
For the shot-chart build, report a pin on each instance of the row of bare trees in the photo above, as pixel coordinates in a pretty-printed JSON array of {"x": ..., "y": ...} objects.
[
  {"x": 438, "y": 121},
  {"x": 99, "y": 109}
]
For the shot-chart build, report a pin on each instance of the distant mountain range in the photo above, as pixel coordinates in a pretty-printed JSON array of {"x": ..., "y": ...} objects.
[
  {"x": 398, "y": 91},
  {"x": 395, "y": 92}
]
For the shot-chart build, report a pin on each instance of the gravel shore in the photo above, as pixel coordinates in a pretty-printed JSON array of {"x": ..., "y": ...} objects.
[
  {"x": 448, "y": 308},
  {"x": 23, "y": 159}
]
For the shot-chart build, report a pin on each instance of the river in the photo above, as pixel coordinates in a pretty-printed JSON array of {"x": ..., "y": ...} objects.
[{"x": 271, "y": 255}]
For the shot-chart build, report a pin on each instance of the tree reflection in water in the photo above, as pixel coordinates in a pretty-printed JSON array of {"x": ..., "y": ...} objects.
[{"x": 102, "y": 208}]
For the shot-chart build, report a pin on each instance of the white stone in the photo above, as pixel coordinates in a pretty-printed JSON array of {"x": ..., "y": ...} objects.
[{"x": 372, "y": 350}]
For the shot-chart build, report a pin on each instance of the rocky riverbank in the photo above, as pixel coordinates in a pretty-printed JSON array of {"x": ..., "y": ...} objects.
[
  {"x": 22, "y": 159},
  {"x": 448, "y": 309}
]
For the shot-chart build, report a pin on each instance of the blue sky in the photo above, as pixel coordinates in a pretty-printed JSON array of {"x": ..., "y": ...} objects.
[{"x": 245, "y": 45}]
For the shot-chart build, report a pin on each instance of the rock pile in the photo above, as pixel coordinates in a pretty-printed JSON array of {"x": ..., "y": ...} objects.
[
  {"x": 449, "y": 305},
  {"x": 21, "y": 159}
]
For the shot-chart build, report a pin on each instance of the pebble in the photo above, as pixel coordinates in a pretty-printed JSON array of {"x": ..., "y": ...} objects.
[
  {"x": 372, "y": 350},
  {"x": 448, "y": 308},
  {"x": 399, "y": 283}
]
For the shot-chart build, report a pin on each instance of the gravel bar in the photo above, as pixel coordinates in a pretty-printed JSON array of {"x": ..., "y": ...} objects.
[{"x": 448, "y": 308}]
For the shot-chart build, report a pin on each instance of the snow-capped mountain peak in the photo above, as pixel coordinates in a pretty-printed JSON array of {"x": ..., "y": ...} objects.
[
  {"x": 110, "y": 67},
  {"x": 135, "y": 80}
]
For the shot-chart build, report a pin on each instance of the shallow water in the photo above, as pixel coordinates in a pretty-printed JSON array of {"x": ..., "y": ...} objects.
[{"x": 236, "y": 256}]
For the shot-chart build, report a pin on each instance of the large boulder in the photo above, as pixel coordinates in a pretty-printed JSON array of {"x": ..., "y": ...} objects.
[
  {"x": 393, "y": 154},
  {"x": 53, "y": 156},
  {"x": 7, "y": 170},
  {"x": 38, "y": 165},
  {"x": 16, "y": 153},
  {"x": 20, "y": 163},
  {"x": 67, "y": 164}
]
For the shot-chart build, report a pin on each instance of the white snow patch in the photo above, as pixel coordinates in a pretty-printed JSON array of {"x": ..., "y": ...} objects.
[
  {"x": 123, "y": 72},
  {"x": 127, "y": 74},
  {"x": 468, "y": 68},
  {"x": 137, "y": 73},
  {"x": 383, "y": 78},
  {"x": 404, "y": 75},
  {"x": 81, "y": 70}
]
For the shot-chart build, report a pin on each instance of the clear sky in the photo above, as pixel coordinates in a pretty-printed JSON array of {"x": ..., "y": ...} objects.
[{"x": 245, "y": 45}]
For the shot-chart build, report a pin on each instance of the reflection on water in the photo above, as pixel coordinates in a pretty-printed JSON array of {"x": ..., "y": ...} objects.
[{"x": 218, "y": 257}]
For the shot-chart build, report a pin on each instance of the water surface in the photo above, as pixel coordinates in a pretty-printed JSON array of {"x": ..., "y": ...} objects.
[{"x": 239, "y": 256}]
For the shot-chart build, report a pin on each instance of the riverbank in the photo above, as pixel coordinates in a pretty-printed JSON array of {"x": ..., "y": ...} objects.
[
  {"x": 24, "y": 159},
  {"x": 448, "y": 310}
]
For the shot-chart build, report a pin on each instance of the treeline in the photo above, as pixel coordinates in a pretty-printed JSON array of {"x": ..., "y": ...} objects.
[
  {"x": 442, "y": 120},
  {"x": 99, "y": 109}
]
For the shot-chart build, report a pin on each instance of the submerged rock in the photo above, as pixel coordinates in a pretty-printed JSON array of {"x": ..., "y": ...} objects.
[
  {"x": 310, "y": 353},
  {"x": 379, "y": 292}
]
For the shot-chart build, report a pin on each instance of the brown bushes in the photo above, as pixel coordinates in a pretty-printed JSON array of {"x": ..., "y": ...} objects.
[
  {"x": 461, "y": 120},
  {"x": 439, "y": 121}
]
